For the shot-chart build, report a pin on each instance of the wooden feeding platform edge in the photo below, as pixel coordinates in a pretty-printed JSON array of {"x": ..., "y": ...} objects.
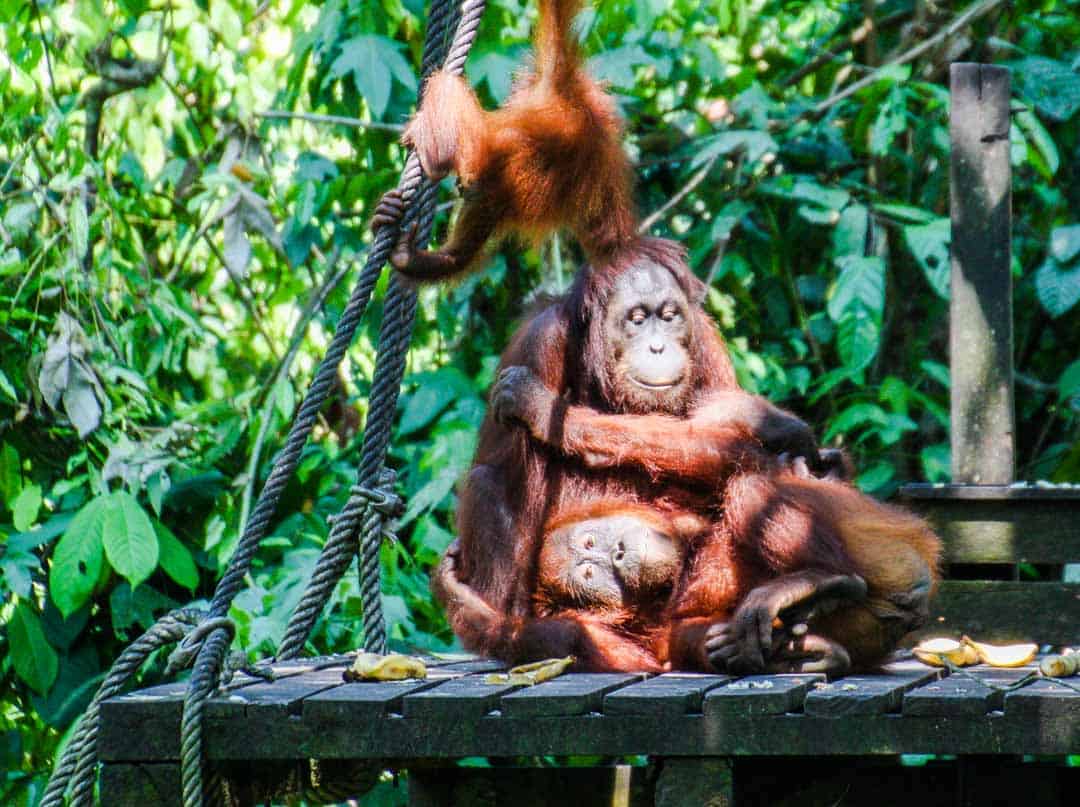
[
  {"x": 309, "y": 713},
  {"x": 987, "y": 530}
]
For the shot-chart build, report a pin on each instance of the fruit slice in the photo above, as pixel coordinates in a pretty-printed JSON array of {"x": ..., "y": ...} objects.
[
  {"x": 394, "y": 667},
  {"x": 1061, "y": 666},
  {"x": 529, "y": 674},
  {"x": 1011, "y": 655},
  {"x": 942, "y": 652}
]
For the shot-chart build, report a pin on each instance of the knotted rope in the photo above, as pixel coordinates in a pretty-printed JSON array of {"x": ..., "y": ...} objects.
[{"x": 205, "y": 637}]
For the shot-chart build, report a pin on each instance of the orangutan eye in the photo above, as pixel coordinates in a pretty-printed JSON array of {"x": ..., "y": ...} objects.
[
  {"x": 669, "y": 313},
  {"x": 637, "y": 316}
]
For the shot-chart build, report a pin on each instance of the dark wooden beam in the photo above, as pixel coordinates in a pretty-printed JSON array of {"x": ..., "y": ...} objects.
[{"x": 980, "y": 317}]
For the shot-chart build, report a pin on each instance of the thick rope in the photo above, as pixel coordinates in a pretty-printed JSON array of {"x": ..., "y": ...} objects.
[
  {"x": 358, "y": 516},
  {"x": 77, "y": 767},
  {"x": 399, "y": 311}
]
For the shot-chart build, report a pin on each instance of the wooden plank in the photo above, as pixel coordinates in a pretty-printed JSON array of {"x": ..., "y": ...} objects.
[
  {"x": 867, "y": 694},
  {"x": 574, "y": 694},
  {"x": 668, "y": 695},
  {"x": 362, "y": 700},
  {"x": 972, "y": 692},
  {"x": 283, "y": 696},
  {"x": 457, "y": 699},
  {"x": 980, "y": 303},
  {"x": 760, "y": 695},
  {"x": 1018, "y": 492},
  {"x": 1006, "y": 611},
  {"x": 156, "y": 783},
  {"x": 1005, "y": 531}
]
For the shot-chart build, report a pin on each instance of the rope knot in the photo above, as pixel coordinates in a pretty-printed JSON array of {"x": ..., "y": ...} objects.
[
  {"x": 382, "y": 497},
  {"x": 183, "y": 656}
]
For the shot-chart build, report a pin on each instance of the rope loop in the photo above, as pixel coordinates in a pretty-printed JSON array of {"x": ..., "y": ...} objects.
[
  {"x": 383, "y": 497},
  {"x": 184, "y": 655}
]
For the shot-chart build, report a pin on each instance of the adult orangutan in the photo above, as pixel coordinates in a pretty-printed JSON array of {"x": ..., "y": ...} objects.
[{"x": 626, "y": 395}]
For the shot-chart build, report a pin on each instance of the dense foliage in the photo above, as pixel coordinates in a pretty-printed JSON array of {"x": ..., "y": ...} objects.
[{"x": 172, "y": 262}]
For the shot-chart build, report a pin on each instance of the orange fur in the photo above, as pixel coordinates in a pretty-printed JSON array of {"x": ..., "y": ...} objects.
[{"x": 550, "y": 158}]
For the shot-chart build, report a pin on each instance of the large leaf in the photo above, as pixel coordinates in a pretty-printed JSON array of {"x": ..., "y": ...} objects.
[
  {"x": 857, "y": 338},
  {"x": 434, "y": 394},
  {"x": 34, "y": 659},
  {"x": 26, "y": 507},
  {"x": 176, "y": 558},
  {"x": 66, "y": 377},
  {"x": 860, "y": 285},
  {"x": 77, "y": 559},
  {"x": 929, "y": 243},
  {"x": 1057, "y": 286},
  {"x": 1065, "y": 243},
  {"x": 755, "y": 145},
  {"x": 616, "y": 66},
  {"x": 1051, "y": 85},
  {"x": 374, "y": 62},
  {"x": 130, "y": 542}
]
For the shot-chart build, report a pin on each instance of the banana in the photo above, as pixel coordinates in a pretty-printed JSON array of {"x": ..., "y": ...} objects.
[
  {"x": 1061, "y": 666},
  {"x": 394, "y": 667},
  {"x": 942, "y": 652},
  {"x": 1013, "y": 655},
  {"x": 534, "y": 673}
]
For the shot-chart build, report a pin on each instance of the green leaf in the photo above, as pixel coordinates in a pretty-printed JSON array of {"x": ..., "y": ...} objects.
[
  {"x": 175, "y": 558},
  {"x": 937, "y": 371},
  {"x": 374, "y": 62},
  {"x": 937, "y": 462},
  {"x": 1051, "y": 85},
  {"x": 25, "y": 508},
  {"x": 1065, "y": 243},
  {"x": 1040, "y": 139},
  {"x": 1069, "y": 383},
  {"x": 891, "y": 121},
  {"x": 34, "y": 659},
  {"x": 496, "y": 69},
  {"x": 905, "y": 213},
  {"x": 436, "y": 391},
  {"x": 78, "y": 557},
  {"x": 849, "y": 237},
  {"x": 809, "y": 190},
  {"x": 1057, "y": 287},
  {"x": 129, "y": 539},
  {"x": 616, "y": 66},
  {"x": 80, "y": 227},
  {"x": 929, "y": 244},
  {"x": 875, "y": 477},
  {"x": 10, "y": 472},
  {"x": 854, "y": 416},
  {"x": 860, "y": 285},
  {"x": 857, "y": 337},
  {"x": 19, "y": 218}
]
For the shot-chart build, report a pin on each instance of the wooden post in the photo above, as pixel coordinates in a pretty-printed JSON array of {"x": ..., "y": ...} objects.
[{"x": 980, "y": 315}]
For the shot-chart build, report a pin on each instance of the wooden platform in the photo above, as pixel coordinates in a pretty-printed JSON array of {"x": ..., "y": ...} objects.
[{"x": 309, "y": 713}]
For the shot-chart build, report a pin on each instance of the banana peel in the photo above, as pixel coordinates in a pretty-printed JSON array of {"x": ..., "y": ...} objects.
[
  {"x": 1012, "y": 655},
  {"x": 534, "y": 673},
  {"x": 1061, "y": 666},
  {"x": 943, "y": 652},
  {"x": 393, "y": 667}
]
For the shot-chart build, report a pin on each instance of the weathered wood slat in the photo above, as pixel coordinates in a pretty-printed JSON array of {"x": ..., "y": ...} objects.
[
  {"x": 969, "y": 693},
  {"x": 991, "y": 531},
  {"x": 456, "y": 699},
  {"x": 980, "y": 303},
  {"x": 1014, "y": 494},
  {"x": 668, "y": 695},
  {"x": 760, "y": 695},
  {"x": 867, "y": 694},
  {"x": 283, "y": 696},
  {"x": 363, "y": 700},
  {"x": 575, "y": 694},
  {"x": 1006, "y": 611}
]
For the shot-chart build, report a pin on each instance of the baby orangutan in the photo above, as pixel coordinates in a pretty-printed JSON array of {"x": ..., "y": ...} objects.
[{"x": 606, "y": 573}]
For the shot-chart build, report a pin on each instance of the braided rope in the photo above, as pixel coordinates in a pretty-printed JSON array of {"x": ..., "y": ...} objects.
[
  {"x": 357, "y": 515},
  {"x": 398, "y": 316},
  {"x": 373, "y": 497},
  {"x": 76, "y": 768}
]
